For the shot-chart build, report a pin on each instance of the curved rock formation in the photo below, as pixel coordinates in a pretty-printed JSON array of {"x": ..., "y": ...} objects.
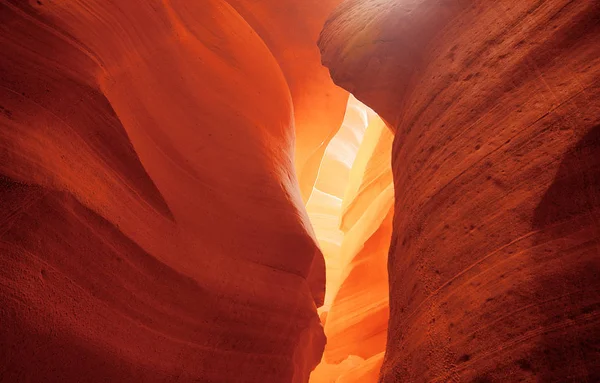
[
  {"x": 334, "y": 177},
  {"x": 156, "y": 158},
  {"x": 494, "y": 260},
  {"x": 356, "y": 319},
  {"x": 290, "y": 29},
  {"x": 152, "y": 226}
]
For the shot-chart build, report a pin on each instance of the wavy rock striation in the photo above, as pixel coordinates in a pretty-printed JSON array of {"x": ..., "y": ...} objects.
[
  {"x": 495, "y": 256},
  {"x": 357, "y": 285},
  {"x": 156, "y": 158},
  {"x": 152, "y": 226},
  {"x": 290, "y": 29}
]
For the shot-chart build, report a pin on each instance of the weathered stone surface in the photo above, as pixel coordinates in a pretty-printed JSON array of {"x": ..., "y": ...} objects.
[
  {"x": 152, "y": 227},
  {"x": 494, "y": 259},
  {"x": 156, "y": 158}
]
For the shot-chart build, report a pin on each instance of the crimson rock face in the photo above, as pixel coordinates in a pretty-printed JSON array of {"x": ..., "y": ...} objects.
[
  {"x": 152, "y": 226},
  {"x": 494, "y": 263},
  {"x": 156, "y": 158}
]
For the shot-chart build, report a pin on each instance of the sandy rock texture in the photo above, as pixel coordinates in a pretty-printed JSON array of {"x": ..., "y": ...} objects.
[
  {"x": 152, "y": 226},
  {"x": 181, "y": 181},
  {"x": 494, "y": 261}
]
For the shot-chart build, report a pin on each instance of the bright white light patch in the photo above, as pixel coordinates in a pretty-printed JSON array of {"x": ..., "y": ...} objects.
[{"x": 325, "y": 203}]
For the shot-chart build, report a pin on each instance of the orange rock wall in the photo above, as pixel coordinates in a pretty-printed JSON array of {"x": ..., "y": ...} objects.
[
  {"x": 156, "y": 158},
  {"x": 356, "y": 320},
  {"x": 494, "y": 262},
  {"x": 152, "y": 225},
  {"x": 290, "y": 29}
]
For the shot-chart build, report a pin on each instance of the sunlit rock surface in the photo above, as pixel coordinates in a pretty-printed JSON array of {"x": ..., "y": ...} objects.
[
  {"x": 494, "y": 262},
  {"x": 325, "y": 203},
  {"x": 161, "y": 163},
  {"x": 152, "y": 227},
  {"x": 290, "y": 28},
  {"x": 356, "y": 303}
]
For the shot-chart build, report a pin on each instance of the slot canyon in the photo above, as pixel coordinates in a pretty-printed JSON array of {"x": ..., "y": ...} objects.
[{"x": 323, "y": 191}]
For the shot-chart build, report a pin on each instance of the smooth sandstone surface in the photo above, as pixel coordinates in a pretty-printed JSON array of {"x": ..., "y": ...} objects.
[
  {"x": 152, "y": 225},
  {"x": 494, "y": 265},
  {"x": 357, "y": 316},
  {"x": 290, "y": 29},
  {"x": 324, "y": 206},
  {"x": 177, "y": 178}
]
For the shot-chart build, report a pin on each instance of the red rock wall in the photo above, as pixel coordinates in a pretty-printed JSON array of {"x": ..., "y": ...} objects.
[
  {"x": 495, "y": 256},
  {"x": 151, "y": 225},
  {"x": 290, "y": 29}
]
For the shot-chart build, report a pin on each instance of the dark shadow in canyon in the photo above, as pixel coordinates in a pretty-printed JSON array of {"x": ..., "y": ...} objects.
[
  {"x": 567, "y": 250},
  {"x": 80, "y": 300}
]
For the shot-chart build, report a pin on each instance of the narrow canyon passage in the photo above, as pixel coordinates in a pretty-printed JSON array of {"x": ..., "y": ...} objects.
[
  {"x": 350, "y": 208},
  {"x": 323, "y": 191}
]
